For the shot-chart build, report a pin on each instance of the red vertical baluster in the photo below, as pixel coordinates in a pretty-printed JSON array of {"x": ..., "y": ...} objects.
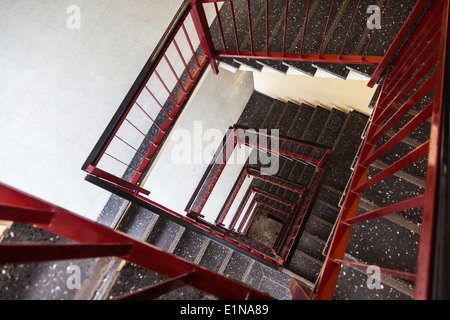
[
  {"x": 285, "y": 26},
  {"x": 304, "y": 27},
  {"x": 219, "y": 21},
  {"x": 250, "y": 27}
]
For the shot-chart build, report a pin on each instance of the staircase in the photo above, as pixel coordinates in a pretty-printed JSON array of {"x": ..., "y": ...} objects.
[
  {"x": 342, "y": 132},
  {"x": 333, "y": 128}
]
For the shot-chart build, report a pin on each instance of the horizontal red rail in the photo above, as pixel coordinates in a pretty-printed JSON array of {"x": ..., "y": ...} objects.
[
  {"x": 92, "y": 237},
  {"x": 310, "y": 57}
]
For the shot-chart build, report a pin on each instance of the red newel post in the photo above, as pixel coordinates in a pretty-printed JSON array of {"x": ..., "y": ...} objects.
[{"x": 202, "y": 27}]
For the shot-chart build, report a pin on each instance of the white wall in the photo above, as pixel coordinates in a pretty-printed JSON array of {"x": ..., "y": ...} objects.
[
  {"x": 328, "y": 92},
  {"x": 59, "y": 88}
]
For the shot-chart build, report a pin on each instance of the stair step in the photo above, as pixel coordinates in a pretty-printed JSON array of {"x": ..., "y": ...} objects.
[
  {"x": 163, "y": 234},
  {"x": 274, "y": 65},
  {"x": 372, "y": 242},
  {"x": 364, "y": 70},
  {"x": 135, "y": 221},
  {"x": 287, "y": 119},
  {"x": 189, "y": 245},
  {"x": 335, "y": 69},
  {"x": 392, "y": 190},
  {"x": 418, "y": 169},
  {"x": 132, "y": 278},
  {"x": 302, "y": 120},
  {"x": 214, "y": 256},
  {"x": 318, "y": 227},
  {"x": 229, "y": 61},
  {"x": 325, "y": 212},
  {"x": 330, "y": 196},
  {"x": 255, "y": 110},
  {"x": 305, "y": 266},
  {"x": 236, "y": 266},
  {"x": 344, "y": 151},
  {"x": 316, "y": 124},
  {"x": 398, "y": 218},
  {"x": 268, "y": 280},
  {"x": 311, "y": 247},
  {"x": 333, "y": 126},
  {"x": 251, "y": 64},
  {"x": 302, "y": 66},
  {"x": 352, "y": 285},
  {"x": 276, "y": 112},
  {"x": 393, "y": 20}
]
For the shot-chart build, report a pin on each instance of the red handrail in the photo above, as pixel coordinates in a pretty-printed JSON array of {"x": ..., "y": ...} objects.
[
  {"x": 95, "y": 240},
  {"x": 397, "y": 61}
]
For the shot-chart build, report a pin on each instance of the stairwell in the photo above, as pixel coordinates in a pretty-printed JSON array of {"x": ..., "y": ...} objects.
[{"x": 342, "y": 132}]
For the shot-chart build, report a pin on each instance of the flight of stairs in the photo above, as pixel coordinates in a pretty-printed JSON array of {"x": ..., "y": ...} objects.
[
  {"x": 331, "y": 127},
  {"x": 343, "y": 25},
  {"x": 317, "y": 124}
]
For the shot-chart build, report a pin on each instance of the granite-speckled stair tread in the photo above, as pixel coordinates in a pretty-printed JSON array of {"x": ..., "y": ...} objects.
[
  {"x": 330, "y": 196},
  {"x": 325, "y": 211},
  {"x": 163, "y": 234},
  {"x": 189, "y": 245},
  {"x": 421, "y": 134},
  {"x": 304, "y": 267},
  {"x": 311, "y": 247},
  {"x": 258, "y": 16},
  {"x": 275, "y": 65},
  {"x": 135, "y": 221},
  {"x": 237, "y": 266},
  {"x": 364, "y": 70},
  {"x": 229, "y": 61},
  {"x": 418, "y": 169},
  {"x": 255, "y": 110},
  {"x": 298, "y": 128},
  {"x": 358, "y": 27},
  {"x": 276, "y": 24},
  {"x": 132, "y": 278},
  {"x": 276, "y": 112},
  {"x": 213, "y": 256},
  {"x": 333, "y": 126},
  {"x": 316, "y": 26},
  {"x": 43, "y": 280},
  {"x": 318, "y": 228},
  {"x": 261, "y": 277},
  {"x": 289, "y": 116},
  {"x": 302, "y": 66},
  {"x": 383, "y": 243},
  {"x": 250, "y": 63},
  {"x": 295, "y": 23},
  {"x": 344, "y": 151},
  {"x": 393, "y": 20},
  {"x": 336, "y": 69},
  {"x": 352, "y": 285},
  {"x": 316, "y": 124},
  {"x": 390, "y": 190}
]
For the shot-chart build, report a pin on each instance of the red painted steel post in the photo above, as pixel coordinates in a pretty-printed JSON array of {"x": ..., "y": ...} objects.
[
  {"x": 424, "y": 265},
  {"x": 203, "y": 32}
]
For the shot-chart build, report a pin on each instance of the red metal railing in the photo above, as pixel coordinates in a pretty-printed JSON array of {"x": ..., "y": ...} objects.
[
  {"x": 315, "y": 155},
  {"x": 273, "y": 180},
  {"x": 414, "y": 67},
  {"x": 229, "y": 22},
  {"x": 212, "y": 175},
  {"x": 136, "y": 132},
  {"x": 95, "y": 240}
]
